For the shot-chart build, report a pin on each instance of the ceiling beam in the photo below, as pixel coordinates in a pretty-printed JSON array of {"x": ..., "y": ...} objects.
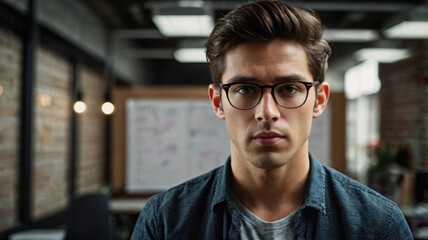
[{"x": 367, "y": 6}]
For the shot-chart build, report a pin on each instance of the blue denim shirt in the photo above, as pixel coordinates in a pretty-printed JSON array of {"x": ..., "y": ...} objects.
[{"x": 335, "y": 207}]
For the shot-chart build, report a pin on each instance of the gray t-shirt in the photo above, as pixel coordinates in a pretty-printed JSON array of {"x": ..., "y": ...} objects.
[{"x": 252, "y": 227}]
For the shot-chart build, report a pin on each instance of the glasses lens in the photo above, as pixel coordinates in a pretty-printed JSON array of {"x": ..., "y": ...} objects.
[
  {"x": 244, "y": 95},
  {"x": 290, "y": 94}
]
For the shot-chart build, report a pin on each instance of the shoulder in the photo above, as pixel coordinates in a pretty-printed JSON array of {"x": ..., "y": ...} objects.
[
  {"x": 190, "y": 190},
  {"x": 361, "y": 205},
  {"x": 177, "y": 209},
  {"x": 354, "y": 192}
]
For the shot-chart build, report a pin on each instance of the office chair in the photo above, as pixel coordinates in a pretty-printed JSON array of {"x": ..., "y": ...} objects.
[{"x": 90, "y": 218}]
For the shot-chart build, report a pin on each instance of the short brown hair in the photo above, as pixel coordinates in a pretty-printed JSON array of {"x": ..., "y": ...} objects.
[{"x": 265, "y": 21}]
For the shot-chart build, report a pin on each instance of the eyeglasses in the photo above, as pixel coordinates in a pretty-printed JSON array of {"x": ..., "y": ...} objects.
[{"x": 244, "y": 96}]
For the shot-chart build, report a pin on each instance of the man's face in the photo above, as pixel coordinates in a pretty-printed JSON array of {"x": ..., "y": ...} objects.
[{"x": 268, "y": 135}]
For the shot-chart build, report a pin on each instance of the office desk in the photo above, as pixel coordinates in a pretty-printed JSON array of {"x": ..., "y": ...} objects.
[
  {"x": 126, "y": 211},
  {"x": 127, "y": 206}
]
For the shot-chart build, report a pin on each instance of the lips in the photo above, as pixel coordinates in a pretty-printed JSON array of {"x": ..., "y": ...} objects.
[{"x": 268, "y": 138}]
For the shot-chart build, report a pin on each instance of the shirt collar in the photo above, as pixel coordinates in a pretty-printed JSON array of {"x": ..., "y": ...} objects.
[
  {"x": 315, "y": 196},
  {"x": 222, "y": 182}
]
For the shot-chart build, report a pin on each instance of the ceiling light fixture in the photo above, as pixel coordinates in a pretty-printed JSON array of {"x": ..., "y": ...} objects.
[
  {"x": 362, "y": 80},
  {"x": 408, "y": 30},
  {"x": 382, "y": 55},
  {"x": 184, "y": 25},
  {"x": 350, "y": 35},
  {"x": 190, "y": 55}
]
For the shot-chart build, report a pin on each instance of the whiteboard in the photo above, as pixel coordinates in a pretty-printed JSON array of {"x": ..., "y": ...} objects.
[{"x": 171, "y": 141}]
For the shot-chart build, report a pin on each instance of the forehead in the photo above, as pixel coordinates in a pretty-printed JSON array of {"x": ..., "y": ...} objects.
[{"x": 266, "y": 61}]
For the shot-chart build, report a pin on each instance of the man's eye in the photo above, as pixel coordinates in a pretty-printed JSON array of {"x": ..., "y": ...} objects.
[
  {"x": 246, "y": 90},
  {"x": 288, "y": 89}
]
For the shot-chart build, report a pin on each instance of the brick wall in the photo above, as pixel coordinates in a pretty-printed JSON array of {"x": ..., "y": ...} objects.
[
  {"x": 10, "y": 86},
  {"x": 404, "y": 106},
  {"x": 51, "y": 133},
  {"x": 51, "y": 143},
  {"x": 91, "y": 125}
]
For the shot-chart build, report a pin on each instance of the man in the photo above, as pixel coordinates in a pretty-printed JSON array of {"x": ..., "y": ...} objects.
[{"x": 267, "y": 62}]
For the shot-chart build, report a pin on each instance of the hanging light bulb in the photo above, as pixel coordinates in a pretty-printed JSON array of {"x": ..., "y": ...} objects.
[
  {"x": 79, "y": 106},
  {"x": 107, "y": 108}
]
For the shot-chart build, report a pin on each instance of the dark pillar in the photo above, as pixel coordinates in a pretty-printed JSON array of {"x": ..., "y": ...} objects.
[{"x": 30, "y": 40}]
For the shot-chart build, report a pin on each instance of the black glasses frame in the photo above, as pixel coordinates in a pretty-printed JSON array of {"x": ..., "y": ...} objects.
[{"x": 226, "y": 87}]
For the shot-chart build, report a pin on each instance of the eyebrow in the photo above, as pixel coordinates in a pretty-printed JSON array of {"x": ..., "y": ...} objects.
[
  {"x": 288, "y": 78},
  {"x": 239, "y": 78}
]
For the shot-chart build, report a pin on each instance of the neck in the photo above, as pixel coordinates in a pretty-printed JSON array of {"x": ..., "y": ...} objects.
[{"x": 271, "y": 194}]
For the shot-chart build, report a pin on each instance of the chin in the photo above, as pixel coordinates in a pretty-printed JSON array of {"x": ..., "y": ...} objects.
[{"x": 268, "y": 161}]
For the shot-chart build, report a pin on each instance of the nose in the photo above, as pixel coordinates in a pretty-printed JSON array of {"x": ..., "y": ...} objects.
[{"x": 267, "y": 109}]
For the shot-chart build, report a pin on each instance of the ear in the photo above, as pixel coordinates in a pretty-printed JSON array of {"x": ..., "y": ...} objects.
[
  {"x": 322, "y": 99},
  {"x": 214, "y": 94}
]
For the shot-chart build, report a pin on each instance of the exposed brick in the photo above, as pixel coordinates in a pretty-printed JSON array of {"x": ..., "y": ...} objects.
[
  {"x": 403, "y": 106},
  {"x": 91, "y": 128},
  {"x": 10, "y": 52},
  {"x": 51, "y": 132}
]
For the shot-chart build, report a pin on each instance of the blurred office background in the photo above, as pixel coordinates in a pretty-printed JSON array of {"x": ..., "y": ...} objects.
[{"x": 54, "y": 53}]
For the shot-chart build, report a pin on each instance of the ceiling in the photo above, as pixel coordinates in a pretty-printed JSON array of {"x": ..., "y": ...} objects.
[{"x": 131, "y": 21}]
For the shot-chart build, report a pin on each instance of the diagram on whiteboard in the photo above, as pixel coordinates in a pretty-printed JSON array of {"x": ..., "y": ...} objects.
[{"x": 170, "y": 141}]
